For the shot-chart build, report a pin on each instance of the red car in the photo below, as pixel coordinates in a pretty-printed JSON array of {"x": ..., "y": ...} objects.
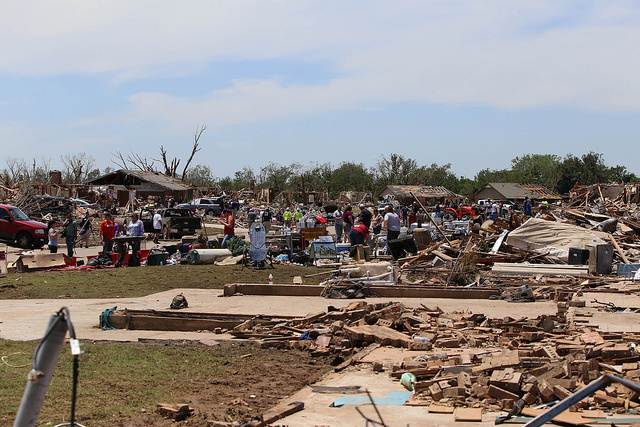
[{"x": 17, "y": 229}]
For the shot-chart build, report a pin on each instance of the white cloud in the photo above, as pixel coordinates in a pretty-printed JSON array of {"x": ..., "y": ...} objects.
[{"x": 501, "y": 54}]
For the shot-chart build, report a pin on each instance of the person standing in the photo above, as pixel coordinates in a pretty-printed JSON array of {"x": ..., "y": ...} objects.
[
  {"x": 527, "y": 207},
  {"x": 337, "y": 216},
  {"x": 229, "y": 223},
  {"x": 265, "y": 215},
  {"x": 405, "y": 214},
  {"x": 251, "y": 217},
  {"x": 391, "y": 223},
  {"x": 135, "y": 229},
  {"x": 348, "y": 221},
  {"x": 85, "y": 231},
  {"x": 53, "y": 236},
  {"x": 365, "y": 215},
  {"x": 376, "y": 222},
  {"x": 70, "y": 233},
  {"x": 286, "y": 217},
  {"x": 157, "y": 227},
  {"x": 297, "y": 216},
  {"x": 107, "y": 230}
]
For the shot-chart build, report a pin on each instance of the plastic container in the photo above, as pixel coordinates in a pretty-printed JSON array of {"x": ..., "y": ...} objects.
[
  {"x": 157, "y": 258},
  {"x": 408, "y": 380},
  {"x": 271, "y": 279}
]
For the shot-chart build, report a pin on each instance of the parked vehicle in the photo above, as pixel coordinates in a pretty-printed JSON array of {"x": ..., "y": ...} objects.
[
  {"x": 17, "y": 229},
  {"x": 464, "y": 212},
  {"x": 175, "y": 222},
  {"x": 210, "y": 206},
  {"x": 80, "y": 203}
]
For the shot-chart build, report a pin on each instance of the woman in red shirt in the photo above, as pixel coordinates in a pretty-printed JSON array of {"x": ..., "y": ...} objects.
[{"x": 229, "y": 223}]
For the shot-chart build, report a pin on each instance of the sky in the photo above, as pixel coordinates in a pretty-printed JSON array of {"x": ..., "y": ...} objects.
[{"x": 470, "y": 83}]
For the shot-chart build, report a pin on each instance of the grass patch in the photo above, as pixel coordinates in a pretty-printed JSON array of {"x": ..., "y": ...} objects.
[
  {"x": 125, "y": 381},
  {"x": 141, "y": 281}
]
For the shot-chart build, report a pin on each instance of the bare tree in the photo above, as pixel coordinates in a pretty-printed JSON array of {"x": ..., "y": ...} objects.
[
  {"x": 137, "y": 162},
  {"x": 133, "y": 161},
  {"x": 77, "y": 167},
  {"x": 171, "y": 167}
]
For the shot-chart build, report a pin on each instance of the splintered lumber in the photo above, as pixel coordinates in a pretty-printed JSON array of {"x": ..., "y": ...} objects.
[
  {"x": 615, "y": 244},
  {"x": 378, "y": 334}
]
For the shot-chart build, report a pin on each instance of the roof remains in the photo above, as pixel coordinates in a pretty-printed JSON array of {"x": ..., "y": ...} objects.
[
  {"x": 427, "y": 191},
  {"x": 132, "y": 177},
  {"x": 512, "y": 190}
]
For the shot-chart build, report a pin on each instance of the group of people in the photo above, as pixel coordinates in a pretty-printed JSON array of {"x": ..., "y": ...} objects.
[
  {"x": 76, "y": 233},
  {"x": 355, "y": 230},
  {"x": 71, "y": 232}
]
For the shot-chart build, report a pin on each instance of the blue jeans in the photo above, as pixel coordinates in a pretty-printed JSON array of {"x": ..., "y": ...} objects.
[
  {"x": 391, "y": 235},
  {"x": 70, "y": 240},
  {"x": 226, "y": 239},
  {"x": 338, "y": 233}
]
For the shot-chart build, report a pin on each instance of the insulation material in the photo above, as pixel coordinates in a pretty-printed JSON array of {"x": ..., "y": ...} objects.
[{"x": 556, "y": 238}]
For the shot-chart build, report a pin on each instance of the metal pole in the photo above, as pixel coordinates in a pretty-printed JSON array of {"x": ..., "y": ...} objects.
[
  {"x": 429, "y": 216},
  {"x": 44, "y": 361},
  {"x": 576, "y": 397}
]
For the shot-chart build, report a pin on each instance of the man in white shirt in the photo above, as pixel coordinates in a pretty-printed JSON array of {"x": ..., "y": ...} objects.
[{"x": 157, "y": 226}]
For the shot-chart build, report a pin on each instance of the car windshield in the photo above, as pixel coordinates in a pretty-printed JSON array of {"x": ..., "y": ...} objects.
[{"x": 18, "y": 215}]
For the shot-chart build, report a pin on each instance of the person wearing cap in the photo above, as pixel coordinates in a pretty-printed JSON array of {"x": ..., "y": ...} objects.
[
  {"x": 107, "y": 231},
  {"x": 365, "y": 215},
  {"x": 229, "y": 223}
]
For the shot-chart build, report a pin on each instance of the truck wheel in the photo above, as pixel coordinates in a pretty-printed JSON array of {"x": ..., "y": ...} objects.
[
  {"x": 24, "y": 240},
  {"x": 211, "y": 212}
]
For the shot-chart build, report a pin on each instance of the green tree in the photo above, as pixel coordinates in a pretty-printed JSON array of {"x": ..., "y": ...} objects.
[
  {"x": 486, "y": 176},
  {"x": 349, "y": 176},
  {"x": 440, "y": 176},
  {"x": 242, "y": 178},
  {"x": 398, "y": 170},
  {"x": 200, "y": 176},
  {"x": 536, "y": 168},
  {"x": 275, "y": 176}
]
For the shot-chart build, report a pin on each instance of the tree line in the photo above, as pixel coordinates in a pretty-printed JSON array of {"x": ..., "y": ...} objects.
[{"x": 552, "y": 171}]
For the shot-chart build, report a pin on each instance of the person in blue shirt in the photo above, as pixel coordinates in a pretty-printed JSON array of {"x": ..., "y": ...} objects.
[{"x": 527, "y": 206}]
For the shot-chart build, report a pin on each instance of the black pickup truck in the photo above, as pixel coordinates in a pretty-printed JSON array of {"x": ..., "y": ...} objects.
[{"x": 175, "y": 222}]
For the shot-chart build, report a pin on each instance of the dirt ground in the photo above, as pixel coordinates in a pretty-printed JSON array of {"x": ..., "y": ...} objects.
[{"x": 258, "y": 380}]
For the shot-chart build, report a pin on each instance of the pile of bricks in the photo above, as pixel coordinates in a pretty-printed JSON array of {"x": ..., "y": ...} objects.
[{"x": 470, "y": 360}]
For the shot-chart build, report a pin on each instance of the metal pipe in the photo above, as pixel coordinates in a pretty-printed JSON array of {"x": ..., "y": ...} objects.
[
  {"x": 576, "y": 397},
  {"x": 44, "y": 361}
]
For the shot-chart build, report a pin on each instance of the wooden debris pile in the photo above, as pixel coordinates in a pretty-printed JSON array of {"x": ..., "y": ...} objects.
[{"x": 471, "y": 360}]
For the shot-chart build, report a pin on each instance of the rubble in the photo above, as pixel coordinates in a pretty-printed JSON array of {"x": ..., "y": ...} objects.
[{"x": 469, "y": 360}]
